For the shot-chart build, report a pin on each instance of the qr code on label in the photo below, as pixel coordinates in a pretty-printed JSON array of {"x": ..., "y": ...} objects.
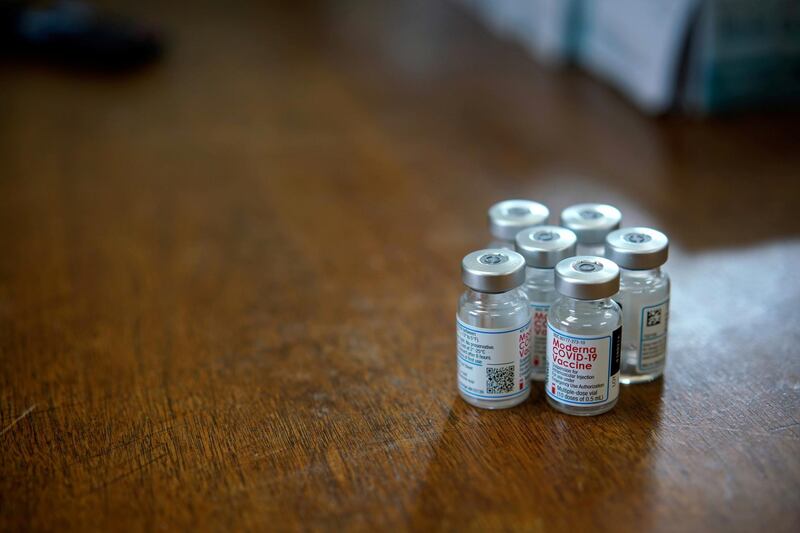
[
  {"x": 499, "y": 380},
  {"x": 653, "y": 317}
]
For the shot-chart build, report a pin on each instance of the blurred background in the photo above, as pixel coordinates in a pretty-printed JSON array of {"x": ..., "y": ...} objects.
[
  {"x": 120, "y": 114},
  {"x": 596, "y": 91},
  {"x": 696, "y": 56},
  {"x": 680, "y": 112}
]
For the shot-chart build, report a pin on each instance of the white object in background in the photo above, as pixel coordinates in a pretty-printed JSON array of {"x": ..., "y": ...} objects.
[
  {"x": 637, "y": 46},
  {"x": 497, "y": 14},
  {"x": 547, "y": 28}
]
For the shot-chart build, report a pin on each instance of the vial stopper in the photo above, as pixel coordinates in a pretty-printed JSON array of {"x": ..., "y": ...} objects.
[
  {"x": 637, "y": 248},
  {"x": 493, "y": 270},
  {"x": 507, "y": 218},
  {"x": 545, "y": 246},
  {"x": 587, "y": 277},
  {"x": 591, "y": 222}
]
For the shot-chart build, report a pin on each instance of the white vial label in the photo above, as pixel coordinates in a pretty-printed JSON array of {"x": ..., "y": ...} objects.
[
  {"x": 582, "y": 369},
  {"x": 653, "y": 335},
  {"x": 493, "y": 364},
  {"x": 539, "y": 335}
]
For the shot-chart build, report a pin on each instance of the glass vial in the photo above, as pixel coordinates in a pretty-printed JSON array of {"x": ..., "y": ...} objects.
[
  {"x": 508, "y": 218},
  {"x": 493, "y": 330},
  {"x": 542, "y": 247},
  {"x": 584, "y": 336},
  {"x": 591, "y": 223},
  {"x": 644, "y": 298}
]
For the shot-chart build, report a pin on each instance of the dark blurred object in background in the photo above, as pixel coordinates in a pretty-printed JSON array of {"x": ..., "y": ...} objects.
[
  {"x": 75, "y": 34},
  {"x": 700, "y": 56}
]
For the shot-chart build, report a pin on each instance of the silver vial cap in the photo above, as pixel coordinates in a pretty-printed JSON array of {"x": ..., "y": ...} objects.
[
  {"x": 545, "y": 246},
  {"x": 507, "y": 218},
  {"x": 637, "y": 248},
  {"x": 587, "y": 277},
  {"x": 591, "y": 222},
  {"x": 493, "y": 270}
]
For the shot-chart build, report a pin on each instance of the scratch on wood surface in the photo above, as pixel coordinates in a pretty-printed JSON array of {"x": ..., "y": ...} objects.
[
  {"x": 411, "y": 441},
  {"x": 139, "y": 468},
  {"x": 744, "y": 432},
  {"x": 785, "y": 426},
  {"x": 28, "y": 411},
  {"x": 337, "y": 465},
  {"x": 105, "y": 452}
]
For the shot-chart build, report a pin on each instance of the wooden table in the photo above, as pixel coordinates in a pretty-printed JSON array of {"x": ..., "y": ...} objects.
[{"x": 228, "y": 285}]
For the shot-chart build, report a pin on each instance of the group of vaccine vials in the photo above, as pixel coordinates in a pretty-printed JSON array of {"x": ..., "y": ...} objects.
[{"x": 581, "y": 307}]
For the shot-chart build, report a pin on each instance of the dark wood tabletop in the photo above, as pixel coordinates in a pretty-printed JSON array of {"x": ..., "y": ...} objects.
[{"x": 228, "y": 285}]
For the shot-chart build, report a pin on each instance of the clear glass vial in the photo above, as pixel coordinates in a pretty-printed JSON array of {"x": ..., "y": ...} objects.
[
  {"x": 493, "y": 330},
  {"x": 591, "y": 223},
  {"x": 542, "y": 247},
  {"x": 644, "y": 298},
  {"x": 584, "y": 336},
  {"x": 509, "y": 217}
]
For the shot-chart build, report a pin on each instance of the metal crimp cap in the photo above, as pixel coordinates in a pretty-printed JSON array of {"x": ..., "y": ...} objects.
[
  {"x": 493, "y": 270},
  {"x": 591, "y": 222},
  {"x": 637, "y": 248},
  {"x": 508, "y": 217},
  {"x": 545, "y": 246},
  {"x": 587, "y": 277}
]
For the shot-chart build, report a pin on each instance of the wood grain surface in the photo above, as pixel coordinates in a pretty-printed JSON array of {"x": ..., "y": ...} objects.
[{"x": 228, "y": 286}]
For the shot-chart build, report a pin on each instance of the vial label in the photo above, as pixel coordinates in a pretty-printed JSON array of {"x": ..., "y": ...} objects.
[
  {"x": 581, "y": 369},
  {"x": 653, "y": 335},
  {"x": 539, "y": 338},
  {"x": 493, "y": 363}
]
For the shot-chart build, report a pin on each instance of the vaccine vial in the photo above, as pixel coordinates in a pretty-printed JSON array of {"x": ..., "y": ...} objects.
[
  {"x": 542, "y": 247},
  {"x": 644, "y": 298},
  {"x": 509, "y": 217},
  {"x": 493, "y": 330},
  {"x": 591, "y": 223},
  {"x": 584, "y": 337}
]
